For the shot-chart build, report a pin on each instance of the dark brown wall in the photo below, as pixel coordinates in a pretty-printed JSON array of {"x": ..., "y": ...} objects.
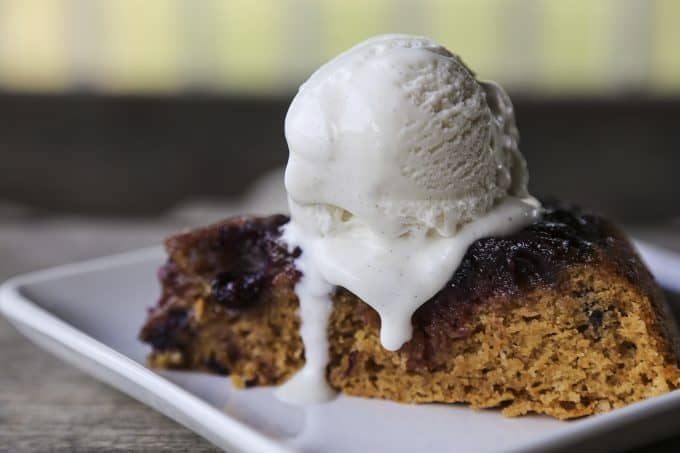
[{"x": 134, "y": 156}]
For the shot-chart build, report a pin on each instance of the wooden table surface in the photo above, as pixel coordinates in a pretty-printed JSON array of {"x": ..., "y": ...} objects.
[{"x": 47, "y": 405}]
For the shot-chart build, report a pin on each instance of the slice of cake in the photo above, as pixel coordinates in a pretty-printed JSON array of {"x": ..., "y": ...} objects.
[
  {"x": 560, "y": 318},
  {"x": 415, "y": 265}
]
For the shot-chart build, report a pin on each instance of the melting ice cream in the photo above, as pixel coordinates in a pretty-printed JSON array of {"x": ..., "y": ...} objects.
[{"x": 399, "y": 160}]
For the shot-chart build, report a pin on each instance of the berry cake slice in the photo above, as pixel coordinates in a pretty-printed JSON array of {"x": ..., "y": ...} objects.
[{"x": 561, "y": 318}]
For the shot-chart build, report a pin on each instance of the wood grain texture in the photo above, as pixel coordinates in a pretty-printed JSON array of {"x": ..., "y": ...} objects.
[{"x": 47, "y": 405}]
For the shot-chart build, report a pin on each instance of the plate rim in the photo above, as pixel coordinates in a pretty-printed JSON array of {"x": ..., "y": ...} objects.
[
  {"x": 212, "y": 424},
  {"x": 216, "y": 426}
]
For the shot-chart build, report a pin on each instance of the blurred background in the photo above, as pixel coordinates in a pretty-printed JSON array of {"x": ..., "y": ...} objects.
[
  {"x": 122, "y": 121},
  {"x": 137, "y": 110}
]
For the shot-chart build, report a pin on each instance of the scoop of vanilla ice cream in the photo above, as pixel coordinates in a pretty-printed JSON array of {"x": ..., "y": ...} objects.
[
  {"x": 399, "y": 160},
  {"x": 397, "y": 135}
]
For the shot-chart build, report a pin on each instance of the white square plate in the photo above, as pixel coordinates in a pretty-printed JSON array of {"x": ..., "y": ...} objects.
[{"x": 89, "y": 314}]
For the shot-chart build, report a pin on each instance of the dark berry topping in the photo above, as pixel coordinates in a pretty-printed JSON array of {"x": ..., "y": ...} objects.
[
  {"x": 533, "y": 257},
  {"x": 238, "y": 290},
  {"x": 168, "y": 331},
  {"x": 256, "y": 256},
  {"x": 216, "y": 367}
]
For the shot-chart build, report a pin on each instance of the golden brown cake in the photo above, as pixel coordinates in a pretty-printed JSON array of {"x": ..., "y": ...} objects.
[{"x": 561, "y": 318}]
